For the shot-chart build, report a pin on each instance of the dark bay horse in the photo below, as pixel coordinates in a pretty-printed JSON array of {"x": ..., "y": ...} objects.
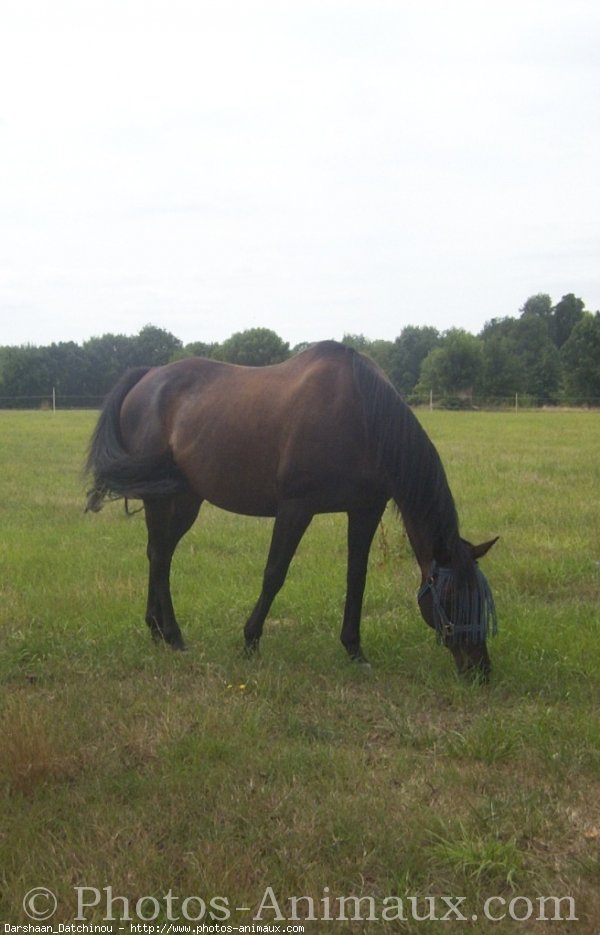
[{"x": 323, "y": 432}]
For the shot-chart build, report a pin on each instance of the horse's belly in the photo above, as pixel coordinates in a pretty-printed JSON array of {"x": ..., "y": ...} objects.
[
  {"x": 233, "y": 484},
  {"x": 259, "y": 489},
  {"x": 246, "y": 503}
]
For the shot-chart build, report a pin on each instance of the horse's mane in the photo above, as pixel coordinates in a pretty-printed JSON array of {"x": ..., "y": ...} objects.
[{"x": 411, "y": 463}]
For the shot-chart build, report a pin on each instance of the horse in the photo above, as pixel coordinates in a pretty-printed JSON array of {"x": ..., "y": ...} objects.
[{"x": 323, "y": 432}]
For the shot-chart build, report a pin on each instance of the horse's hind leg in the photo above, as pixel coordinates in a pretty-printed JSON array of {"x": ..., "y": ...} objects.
[
  {"x": 291, "y": 522},
  {"x": 167, "y": 521}
]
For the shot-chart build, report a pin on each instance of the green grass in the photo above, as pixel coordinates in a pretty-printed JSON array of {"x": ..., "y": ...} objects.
[{"x": 124, "y": 764}]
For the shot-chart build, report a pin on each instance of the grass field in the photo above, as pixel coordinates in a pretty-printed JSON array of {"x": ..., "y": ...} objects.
[{"x": 204, "y": 776}]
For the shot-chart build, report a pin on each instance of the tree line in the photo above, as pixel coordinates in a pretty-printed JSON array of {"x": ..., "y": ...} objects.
[{"x": 548, "y": 354}]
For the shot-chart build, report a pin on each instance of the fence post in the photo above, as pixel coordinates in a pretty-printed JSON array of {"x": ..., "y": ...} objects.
[
  {"x": 431, "y": 400},
  {"x": 53, "y": 399},
  {"x": 516, "y": 402}
]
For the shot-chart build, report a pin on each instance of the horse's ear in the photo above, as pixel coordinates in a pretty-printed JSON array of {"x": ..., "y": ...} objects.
[{"x": 478, "y": 551}]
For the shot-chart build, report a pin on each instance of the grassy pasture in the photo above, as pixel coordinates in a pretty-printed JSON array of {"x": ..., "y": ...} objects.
[{"x": 123, "y": 764}]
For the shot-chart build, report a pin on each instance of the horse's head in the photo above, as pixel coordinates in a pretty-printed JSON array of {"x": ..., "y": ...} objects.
[{"x": 459, "y": 606}]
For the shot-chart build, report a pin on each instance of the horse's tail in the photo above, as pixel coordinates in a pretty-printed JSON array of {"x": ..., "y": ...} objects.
[{"x": 116, "y": 472}]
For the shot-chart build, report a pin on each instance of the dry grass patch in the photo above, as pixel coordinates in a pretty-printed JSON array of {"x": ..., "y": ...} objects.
[{"x": 35, "y": 749}]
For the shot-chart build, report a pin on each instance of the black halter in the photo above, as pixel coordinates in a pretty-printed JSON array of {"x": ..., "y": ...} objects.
[{"x": 472, "y": 610}]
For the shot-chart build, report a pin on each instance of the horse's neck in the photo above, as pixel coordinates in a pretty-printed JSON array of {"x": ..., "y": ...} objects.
[
  {"x": 429, "y": 543},
  {"x": 422, "y": 494}
]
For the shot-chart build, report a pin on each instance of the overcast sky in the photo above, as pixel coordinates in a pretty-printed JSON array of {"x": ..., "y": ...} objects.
[{"x": 316, "y": 166}]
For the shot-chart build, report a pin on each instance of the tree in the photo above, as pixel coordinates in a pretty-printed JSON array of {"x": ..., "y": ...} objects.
[
  {"x": 565, "y": 315},
  {"x": 536, "y": 367},
  {"x": 506, "y": 327},
  {"x": 68, "y": 369},
  {"x": 503, "y": 371},
  {"x": 198, "y": 349},
  {"x": 539, "y": 357},
  {"x": 108, "y": 357},
  {"x": 255, "y": 347},
  {"x": 544, "y": 378},
  {"x": 357, "y": 341},
  {"x": 154, "y": 346},
  {"x": 454, "y": 368},
  {"x": 26, "y": 372},
  {"x": 380, "y": 351},
  {"x": 410, "y": 349},
  {"x": 433, "y": 376},
  {"x": 538, "y": 306},
  {"x": 581, "y": 358}
]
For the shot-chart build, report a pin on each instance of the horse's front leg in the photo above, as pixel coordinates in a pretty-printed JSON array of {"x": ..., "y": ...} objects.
[
  {"x": 362, "y": 524},
  {"x": 292, "y": 521}
]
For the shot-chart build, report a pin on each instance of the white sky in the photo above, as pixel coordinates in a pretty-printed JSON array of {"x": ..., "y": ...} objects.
[{"x": 316, "y": 166}]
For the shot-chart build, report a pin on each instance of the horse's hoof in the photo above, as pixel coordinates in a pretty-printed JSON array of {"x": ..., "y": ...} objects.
[
  {"x": 476, "y": 675},
  {"x": 251, "y": 649},
  {"x": 361, "y": 660},
  {"x": 177, "y": 644}
]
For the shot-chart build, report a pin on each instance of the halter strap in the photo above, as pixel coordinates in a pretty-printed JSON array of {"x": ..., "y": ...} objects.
[
  {"x": 443, "y": 624},
  {"x": 473, "y": 610}
]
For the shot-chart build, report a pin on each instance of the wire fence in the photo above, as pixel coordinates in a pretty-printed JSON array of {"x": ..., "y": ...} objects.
[
  {"x": 514, "y": 402},
  {"x": 53, "y": 401}
]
